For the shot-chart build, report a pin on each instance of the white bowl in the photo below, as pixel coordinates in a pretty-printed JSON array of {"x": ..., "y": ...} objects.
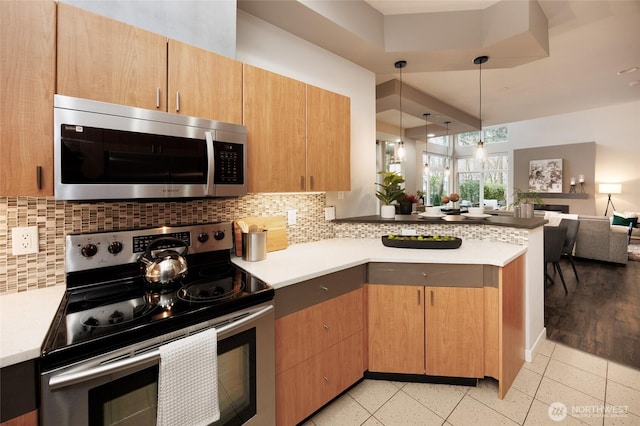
[{"x": 432, "y": 211}]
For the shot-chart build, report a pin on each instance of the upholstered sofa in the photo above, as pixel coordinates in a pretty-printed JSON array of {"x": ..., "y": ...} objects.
[
  {"x": 627, "y": 223},
  {"x": 597, "y": 240}
]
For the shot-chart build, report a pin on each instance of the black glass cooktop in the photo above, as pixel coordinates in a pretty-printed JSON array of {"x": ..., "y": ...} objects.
[{"x": 104, "y": 316}]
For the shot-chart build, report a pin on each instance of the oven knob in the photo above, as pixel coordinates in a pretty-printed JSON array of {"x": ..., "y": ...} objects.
[
  {"x": 203, "y": 237},
  {"x": 89, "y": 250},
  {"x": 115, "y": 247},
  {"x": 218, "y": 235}
]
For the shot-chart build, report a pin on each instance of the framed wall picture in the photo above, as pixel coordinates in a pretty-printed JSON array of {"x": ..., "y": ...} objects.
[{"x": 545, "y": 175}]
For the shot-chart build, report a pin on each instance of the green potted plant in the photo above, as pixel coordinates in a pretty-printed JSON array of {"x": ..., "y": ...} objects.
[
  {"x": 388, "y": 192},
  {"x": 524, "y": 201}
]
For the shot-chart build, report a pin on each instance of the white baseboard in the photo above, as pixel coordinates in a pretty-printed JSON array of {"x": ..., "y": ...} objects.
[{"x": 529, "y": 354}]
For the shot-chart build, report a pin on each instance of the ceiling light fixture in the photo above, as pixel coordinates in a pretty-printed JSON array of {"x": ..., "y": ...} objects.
[
  {"x": 401, "y": 150},
  {"x": 628, "y": 70},
  {"x": 446, "y": 169},
  {"x": 426, "y": 141},
  {"x": 480, "y": 147}
]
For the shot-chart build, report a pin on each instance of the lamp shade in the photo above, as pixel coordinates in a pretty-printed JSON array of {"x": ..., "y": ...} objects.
[{"x": 610, "y": 188}]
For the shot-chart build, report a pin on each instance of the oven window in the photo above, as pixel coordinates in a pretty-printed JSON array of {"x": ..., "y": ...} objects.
[
  {"x": 237, "y": 378},
  {"x": 131, "y": 400}
]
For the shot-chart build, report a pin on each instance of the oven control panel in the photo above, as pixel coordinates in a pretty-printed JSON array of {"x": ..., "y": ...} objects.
[{"x": 103, "y": 249}]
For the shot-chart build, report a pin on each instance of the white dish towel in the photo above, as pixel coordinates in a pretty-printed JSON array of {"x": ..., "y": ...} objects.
[{"x": 188, "y": 381}]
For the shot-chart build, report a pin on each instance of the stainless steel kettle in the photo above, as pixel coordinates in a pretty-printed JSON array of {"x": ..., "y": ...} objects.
[{"x": 165, "y": 267}]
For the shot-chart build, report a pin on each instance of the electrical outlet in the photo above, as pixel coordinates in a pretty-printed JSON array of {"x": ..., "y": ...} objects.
[
  {"x": 340, "y": 195},
  {"x": 25, "y": 240}
]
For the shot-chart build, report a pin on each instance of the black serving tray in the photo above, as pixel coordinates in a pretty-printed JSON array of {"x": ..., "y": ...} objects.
[{"x": 422, "y": 244}]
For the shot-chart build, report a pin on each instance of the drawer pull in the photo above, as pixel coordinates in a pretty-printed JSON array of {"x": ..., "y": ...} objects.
[
  {"x": 424, "y": 274},
  {"x": 324, "y": 288},
  {"x": 325, "y": 378},
  {"x": 326, "y": 327}
]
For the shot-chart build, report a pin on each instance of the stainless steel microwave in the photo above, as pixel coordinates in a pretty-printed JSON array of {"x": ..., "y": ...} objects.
[{"x": 106, "y": 151}]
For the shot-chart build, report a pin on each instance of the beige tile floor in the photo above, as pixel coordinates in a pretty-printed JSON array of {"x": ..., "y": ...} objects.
[{"x": 593, "y": 390}]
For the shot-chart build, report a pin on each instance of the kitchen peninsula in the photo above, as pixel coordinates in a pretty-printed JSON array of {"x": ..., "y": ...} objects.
[{"x": 350, "y": 306}]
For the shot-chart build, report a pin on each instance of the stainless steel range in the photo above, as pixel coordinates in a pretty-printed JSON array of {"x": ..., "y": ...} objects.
[{"x": 100, "y": 358}]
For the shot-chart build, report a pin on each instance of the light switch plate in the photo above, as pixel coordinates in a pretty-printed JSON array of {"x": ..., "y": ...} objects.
[
  {"x": 25, "y": 240},
  {"x": 329, "y": 213},
  {"x": 291, "y": 217}
]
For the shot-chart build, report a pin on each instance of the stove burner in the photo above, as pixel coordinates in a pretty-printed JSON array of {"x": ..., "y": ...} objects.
[
  {"x": 116, "y": 317},
  {"x": 207, "y": 290}
]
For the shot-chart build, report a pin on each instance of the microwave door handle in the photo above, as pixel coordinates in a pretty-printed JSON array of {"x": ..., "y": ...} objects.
[
  {"x": 211, "y": 164},
  {"x": 150, "y": 357}
]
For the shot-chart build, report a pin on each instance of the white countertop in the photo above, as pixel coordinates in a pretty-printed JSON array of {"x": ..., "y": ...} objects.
[
  {"x": 301, "y": 262},
  {"x": 25, "y": 318}
]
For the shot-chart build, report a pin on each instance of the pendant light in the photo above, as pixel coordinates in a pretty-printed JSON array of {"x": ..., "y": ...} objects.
[
  {"x": 426, "y": 141},
  {"x": 480, "y": 148},
  {"x": 401, "y": 149},
  {"x": 446, "y": 170}
]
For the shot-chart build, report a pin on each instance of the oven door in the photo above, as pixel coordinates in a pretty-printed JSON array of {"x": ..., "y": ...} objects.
[{"x": 118, "y": 389}]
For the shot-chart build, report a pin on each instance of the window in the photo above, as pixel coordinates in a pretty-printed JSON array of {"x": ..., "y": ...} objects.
[
  {"x": 491, "y": 135},
  {"x": 435, "y": 183},
  {"x": 488, "y": 178},
  {"x": 440, "y": 140}
]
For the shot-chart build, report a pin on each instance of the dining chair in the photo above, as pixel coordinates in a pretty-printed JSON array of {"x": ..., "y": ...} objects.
[
  {"x": 554, "y": 238},
  {"x": 570, "y": 241}
]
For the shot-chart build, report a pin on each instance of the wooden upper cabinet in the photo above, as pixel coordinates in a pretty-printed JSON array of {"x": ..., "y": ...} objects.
[
  {"x": 274, "y": 113},
  {"x": 454, "y": 331},
  {"x": 27, "y": 67},
  {"x": 204, "y": 84},
  {"x": 328, "y": 141},
  {"x": 110, "y": 61}
]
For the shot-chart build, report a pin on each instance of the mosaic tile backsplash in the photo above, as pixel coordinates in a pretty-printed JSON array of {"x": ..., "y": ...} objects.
[{"x": 56, "y": 219}]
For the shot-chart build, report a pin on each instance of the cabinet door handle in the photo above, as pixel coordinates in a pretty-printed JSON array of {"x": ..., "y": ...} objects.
[
  {"x": 311, "y": 183},
  {"x": 177, "y": 101},
  {"x": 418, "y": 297},
  {"x": 326, "y": 326},
  {"x": 325, "y": 378},
  {"x": 431, "y": 291},
  {"x": 302, "y": 183},
  {"x": 39, "y": 177},
  {"x": 157, "y": 97},
  {"x": 324, "y": 288}
]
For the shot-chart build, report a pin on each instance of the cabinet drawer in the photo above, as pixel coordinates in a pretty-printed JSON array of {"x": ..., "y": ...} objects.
[
  {"x": 307, "y": 332},
  {"x": 443, "y": 275},
  {"x": 295, "y": 297},
  {"x": 308, "y": 386}
]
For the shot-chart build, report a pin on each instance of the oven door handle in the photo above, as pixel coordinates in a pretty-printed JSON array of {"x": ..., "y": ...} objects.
[{"x": 149, "y": 357}]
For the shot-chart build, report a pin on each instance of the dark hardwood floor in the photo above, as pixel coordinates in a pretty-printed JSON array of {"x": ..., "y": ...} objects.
[{"x": 601, "y": 313}]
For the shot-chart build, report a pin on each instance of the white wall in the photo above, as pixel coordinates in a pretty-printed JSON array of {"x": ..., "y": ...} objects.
[
  {"x": 616, "y": 131},
  {"x": 210, "y": 25},
  {"x": 266, "y": 46}
]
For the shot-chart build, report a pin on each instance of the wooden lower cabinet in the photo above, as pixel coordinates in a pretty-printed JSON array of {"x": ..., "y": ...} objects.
[
  {"x": 454, "y": 332},
  {"x": 395, "y": 318},
  {"x": 305, "y": 388},
  {"x": 319, "y": 353},
  {"x": 28, "y": 419}
]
